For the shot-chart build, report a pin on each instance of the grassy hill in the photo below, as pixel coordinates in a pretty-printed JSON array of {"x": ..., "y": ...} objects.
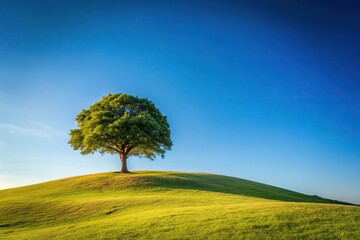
[{"x": 170, "y": 205}]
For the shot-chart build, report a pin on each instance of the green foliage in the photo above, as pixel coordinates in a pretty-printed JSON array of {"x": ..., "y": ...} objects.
[
  {"x": 122, "y": 124},
  {"x": 169, "y": 205}
]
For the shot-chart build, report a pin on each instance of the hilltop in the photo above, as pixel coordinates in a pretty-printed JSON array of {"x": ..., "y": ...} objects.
[{"x": 170, "y": 205}]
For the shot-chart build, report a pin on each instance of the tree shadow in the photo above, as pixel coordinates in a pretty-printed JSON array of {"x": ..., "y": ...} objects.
[{"x": 232, "y": 185}]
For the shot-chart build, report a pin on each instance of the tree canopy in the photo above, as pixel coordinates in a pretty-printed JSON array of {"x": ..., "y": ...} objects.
[{"x": 122, "y": 124}]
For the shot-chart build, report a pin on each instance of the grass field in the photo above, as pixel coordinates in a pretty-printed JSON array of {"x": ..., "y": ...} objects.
[{"x": 170, "y": 205}]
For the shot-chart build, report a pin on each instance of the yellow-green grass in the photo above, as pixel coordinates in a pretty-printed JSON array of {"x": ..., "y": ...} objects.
[{"x": 170, "y": 205}]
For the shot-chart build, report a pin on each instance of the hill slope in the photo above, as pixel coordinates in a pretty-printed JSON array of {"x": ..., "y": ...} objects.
[{"x": 170, "y": 205}]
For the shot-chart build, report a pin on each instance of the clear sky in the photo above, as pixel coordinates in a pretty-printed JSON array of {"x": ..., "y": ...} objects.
[{"x": 263, "y": 90}]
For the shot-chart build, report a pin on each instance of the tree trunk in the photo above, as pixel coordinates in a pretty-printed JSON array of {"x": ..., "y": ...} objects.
[{"x": 123, "y": 159}]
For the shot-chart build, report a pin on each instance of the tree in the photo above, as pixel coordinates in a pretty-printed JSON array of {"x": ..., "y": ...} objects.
[{"x": 122, "y": 124}]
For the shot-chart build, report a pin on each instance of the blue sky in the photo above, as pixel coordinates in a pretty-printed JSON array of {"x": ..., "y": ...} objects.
[{"x": 262, "y": 90}]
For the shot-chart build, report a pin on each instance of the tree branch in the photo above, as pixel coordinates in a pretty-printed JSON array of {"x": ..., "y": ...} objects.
[
  {"x": 128, "y": 149},
  {"x": 112, "y": 148}
]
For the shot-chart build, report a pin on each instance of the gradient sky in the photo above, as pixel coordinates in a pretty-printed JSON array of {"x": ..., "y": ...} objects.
[{"x": 263, "y": 90}]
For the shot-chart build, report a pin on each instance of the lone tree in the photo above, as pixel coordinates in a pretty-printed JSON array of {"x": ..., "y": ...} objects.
[{"x": 122, "y": 124}]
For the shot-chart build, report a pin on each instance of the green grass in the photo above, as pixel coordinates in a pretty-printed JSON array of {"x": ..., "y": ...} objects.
[{"x": 170, "y": 205}]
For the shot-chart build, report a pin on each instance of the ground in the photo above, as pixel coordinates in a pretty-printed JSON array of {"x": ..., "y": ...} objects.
[{"x": 170, "y": 205}]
